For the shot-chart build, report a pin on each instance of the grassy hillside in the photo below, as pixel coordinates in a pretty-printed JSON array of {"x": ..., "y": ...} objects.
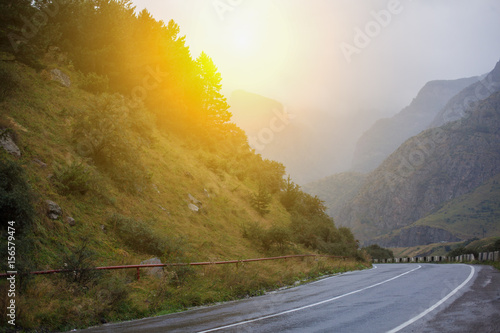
[
  {"x": 129, "y": 202},
  {"x": 471, "y": 215},
  {"x": 126, "y": 153}
]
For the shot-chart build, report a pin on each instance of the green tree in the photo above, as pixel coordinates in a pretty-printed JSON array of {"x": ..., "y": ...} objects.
[
  {"x": 290, "y": 194},
  {"x": 261, "y": 200},
  {"x": 23, "y": 28},
  {"x": 378, "y": 252},
  {"x": 214, "y": 104}
]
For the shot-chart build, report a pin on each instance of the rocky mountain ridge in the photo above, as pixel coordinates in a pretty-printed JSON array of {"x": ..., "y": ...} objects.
[
  {"x": 434, "y": 183},
  {"x": 387, "y": 134},
  {"x": 427, "y": 170},
  {"x": 468, "y": 98}
]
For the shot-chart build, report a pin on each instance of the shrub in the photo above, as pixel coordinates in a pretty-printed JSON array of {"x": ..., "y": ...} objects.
[
  {"x": 103, "y": 133},
  {"x": 16, "y": 197},
  {"x": 462, "y": 250},
  {"x": 278, "y": 236},
  {"x": 80, "y": 263},
  {"x": 494, "y": 247},
  {"x": 94, "y": 83},
  {"x": 9, "y": 81},
  {"x": 377, "y": 252},
  {"x": 141, "y": 238},
  {"x": 100, "y": 132},
  {"x": 261, "y": 200},
  {"x": 275, "y": 236},
  {"x": 72, "y": 178}
]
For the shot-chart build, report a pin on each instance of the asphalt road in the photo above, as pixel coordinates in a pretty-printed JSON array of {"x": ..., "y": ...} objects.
[{"x": 388, "y": 298}]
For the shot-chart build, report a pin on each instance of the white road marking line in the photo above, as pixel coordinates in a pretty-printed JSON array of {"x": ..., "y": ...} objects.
[
  {"x": 336, "y": 275},
  {"x": 453, "y": 292},
  {"x": 307, "y": 306}
]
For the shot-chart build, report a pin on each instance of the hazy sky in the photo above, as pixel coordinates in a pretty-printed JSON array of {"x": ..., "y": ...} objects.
[{"x": 338, "y": 55}]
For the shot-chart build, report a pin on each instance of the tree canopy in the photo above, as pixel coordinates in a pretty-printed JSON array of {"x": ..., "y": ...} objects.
[{"x": 143, "y": 58}]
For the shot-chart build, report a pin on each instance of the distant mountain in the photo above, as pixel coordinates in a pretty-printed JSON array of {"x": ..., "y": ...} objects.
[
  {"x": 423, "y": 174},
  {"x": 389, "y": 133},
  {"x": 468, "y": 98},
  {"x": 296, "y": 137},
  {"x": 336, "y": 190}
]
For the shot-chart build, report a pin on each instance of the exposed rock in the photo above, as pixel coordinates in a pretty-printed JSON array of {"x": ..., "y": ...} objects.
[
  {"x": 8, "y": 143},
  {"x": 156, "y": 188},
  {"x": 387, "y": 134},
  {"x": 194, "y": 200},
  {"x": 40, "y": 163},
  {"x": 53, "y": 210},
  {"x": 154, "y": 271},
  {"x": 428, "y": 170},
  {"x": 71, "y": 221},
  {"x": 194, "y": 208},
  {"x": 461, "y": 104},
  {"x": 58, "y": 76},
  {"x": 418, "y": 235},
  {"x": 164, "y": 209},
  {"x": 206, "y": 193}
]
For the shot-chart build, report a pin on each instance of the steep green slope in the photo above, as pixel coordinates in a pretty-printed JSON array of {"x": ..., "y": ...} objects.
[
  {"x": 474, "y": 214},
  {"x": 104, "y": 176},
  {"x": 132, "y": 201}
]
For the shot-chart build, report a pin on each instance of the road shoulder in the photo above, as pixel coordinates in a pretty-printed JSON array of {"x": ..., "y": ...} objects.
[{"x": 477, "y": 310}]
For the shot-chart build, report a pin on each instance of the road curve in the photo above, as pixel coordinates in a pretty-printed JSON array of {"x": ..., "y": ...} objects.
[{"x": 388, "y": 298}]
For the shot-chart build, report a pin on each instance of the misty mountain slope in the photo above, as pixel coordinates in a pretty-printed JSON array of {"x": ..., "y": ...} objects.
[
  {"x": 387, "y": 134},
  {"x": 336, "y": 190},
  {"x": 276, "y": 134},
  {"x": 466, "y": 99},
  {"x": 296, "y": 137},
  {"x": 426, "y": 171}
]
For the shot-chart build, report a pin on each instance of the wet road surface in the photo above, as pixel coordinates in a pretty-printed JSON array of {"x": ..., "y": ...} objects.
[{"x": 388, "y": 298}]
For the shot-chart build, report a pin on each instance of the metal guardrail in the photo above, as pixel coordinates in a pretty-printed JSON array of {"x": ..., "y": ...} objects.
[{"x": 138, "y": 267}]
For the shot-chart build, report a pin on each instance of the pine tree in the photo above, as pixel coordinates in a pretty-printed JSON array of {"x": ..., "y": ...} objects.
[
  {"x": 290, "y": 194},
  {"x": 214, "y": 104},
  {"x": 261, "y": 201}
]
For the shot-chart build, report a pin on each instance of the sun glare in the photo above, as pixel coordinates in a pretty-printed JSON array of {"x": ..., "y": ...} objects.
[
  {"x": 252, "y": 46},
  {"x": 243, "y": 39}
]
